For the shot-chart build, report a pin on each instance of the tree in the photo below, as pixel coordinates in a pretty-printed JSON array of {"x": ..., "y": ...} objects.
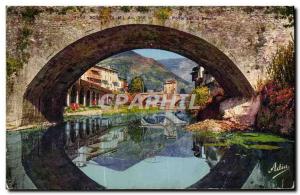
[
  {"x": 202, "y": 95},
  {"x": 137, "y": 85}
]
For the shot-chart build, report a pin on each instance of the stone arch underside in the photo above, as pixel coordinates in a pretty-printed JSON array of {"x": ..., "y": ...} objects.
[{"x": 45, "y": 95}]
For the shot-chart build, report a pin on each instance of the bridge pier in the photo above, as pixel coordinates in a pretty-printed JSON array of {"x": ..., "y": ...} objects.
[
  {"x": 77, "y": 97},
  {"x": 68, "y": 99}
]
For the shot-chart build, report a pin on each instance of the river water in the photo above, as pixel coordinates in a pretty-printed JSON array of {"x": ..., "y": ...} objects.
[{"x": 152, "y": 151}]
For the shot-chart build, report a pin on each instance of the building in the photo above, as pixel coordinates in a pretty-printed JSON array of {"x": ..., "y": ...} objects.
[
  {"x": 109, "y": 78},
  {"x": 95, "y": 82},
  {"x": 170, "y": 87},
  {"x": 124, "y": 84},
  {"x": 93, "y": 75},
  {"x": 201, "y": 77}
]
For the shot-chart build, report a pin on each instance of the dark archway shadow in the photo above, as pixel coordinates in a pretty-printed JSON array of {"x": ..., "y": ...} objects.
[
  {"x": 230, "y": 173},
  {"x": 45, "y": 96},
  {"x": 50, "y": 168}
]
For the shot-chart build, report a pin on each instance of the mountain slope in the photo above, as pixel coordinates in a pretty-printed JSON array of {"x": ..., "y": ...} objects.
[
  {"x": 130, "y": 64},
  {"x": 180, "y": 66}
]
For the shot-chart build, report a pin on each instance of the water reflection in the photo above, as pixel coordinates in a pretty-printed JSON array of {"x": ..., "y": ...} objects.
[
  {"x": 139, "y": 151},
  {"x": 211, "y": 153},
  {"x": 16, "y": 145},
  {"x": 125, "y": 150}
]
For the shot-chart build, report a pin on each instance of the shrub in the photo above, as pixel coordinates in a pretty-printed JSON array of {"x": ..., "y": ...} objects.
[
  {"x": 142, "y": 9},
  {"x": 67, "y": 9},
  {"x": 283, "y": 12},
  {"x": 105, "y": 13},
  {"x": 74, "y": 106},
  {"x": 278, "y": 109},
  {"x": 29, "y": 13},
  {"x": 13, "y": 65},
  {"x": 125, "y": 9},
  {"x": 94, "y": 102},
  {"x": 282, "y": 101},
  {"x": 202, "y": 95},
  {"x": 163, "y": 13},
  {"x": 282, "y": 68},
  {"x": 23, "y": 41}
]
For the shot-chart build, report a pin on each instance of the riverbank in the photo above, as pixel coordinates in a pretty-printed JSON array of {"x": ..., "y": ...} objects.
[
  {"x": 91, "y": 111},
  {"x": 33, "y": 127}
]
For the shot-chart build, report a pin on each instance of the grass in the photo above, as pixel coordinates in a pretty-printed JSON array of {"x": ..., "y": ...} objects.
[
  {"x": 259, "y": 141},
  {"x": 134, "y": 110},
  {"x": 112, "y": 110},
  {"x": 81, "y": 109},
  {"x": 263, "y": 147}
]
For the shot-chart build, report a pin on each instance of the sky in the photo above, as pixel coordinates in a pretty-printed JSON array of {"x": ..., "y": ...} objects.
[{"x": 157, "y": 54}]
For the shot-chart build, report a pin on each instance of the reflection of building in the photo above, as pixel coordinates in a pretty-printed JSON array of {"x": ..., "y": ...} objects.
[
  {"x": 170, "y": 133},
  {"x": 212, "y": 154},
  {"x": 93, "y": 83},
  {"x": 201, "y": 77},
  {"x": 170, "y": 86},
  {"x": 111, "y": 140}
]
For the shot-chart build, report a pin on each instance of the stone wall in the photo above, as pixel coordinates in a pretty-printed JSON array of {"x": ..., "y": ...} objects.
[{"x": 249, "y": 37}]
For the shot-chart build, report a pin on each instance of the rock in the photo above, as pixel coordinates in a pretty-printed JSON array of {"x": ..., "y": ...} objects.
[
  {"x": 240, "y": 110},
  {"x": 212, "y": 110},
  {"x": 238, "y": 114},
  {"x": 216, "y": 126}
]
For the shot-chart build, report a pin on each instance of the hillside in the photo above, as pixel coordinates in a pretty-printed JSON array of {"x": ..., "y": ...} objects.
[
  {"x": 180, "y": 66},
  {"x": 130, "y": 64}
]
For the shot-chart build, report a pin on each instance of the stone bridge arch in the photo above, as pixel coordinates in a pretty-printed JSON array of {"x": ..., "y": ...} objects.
[{"x": 44, "y": 98}]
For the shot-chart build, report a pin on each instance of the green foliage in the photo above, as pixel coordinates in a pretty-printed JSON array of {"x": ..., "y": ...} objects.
[
  {"x": 142, "y": 9},
  {"x": 105, "y": 13},
  {"x": 202, "y": 95},
  {"x": 13, "y": 65},
  {"x": 23, "y": 40},
  {"x": 282, "y": 68},
  {"x": 29, "y": 13},
  {"x": 11, "y": 10},
  {"x": 263, "y": 147},
  {"x": 67, "y": 9},
  {"x": 137, "y": 85},
  {"x": 247, "y": 140},
  {"x": 283, "y": 12},
  {"x": 163, "y": 13},
  {"x": 248, "y": 9},
  {"x": 125, "y": 9}
]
